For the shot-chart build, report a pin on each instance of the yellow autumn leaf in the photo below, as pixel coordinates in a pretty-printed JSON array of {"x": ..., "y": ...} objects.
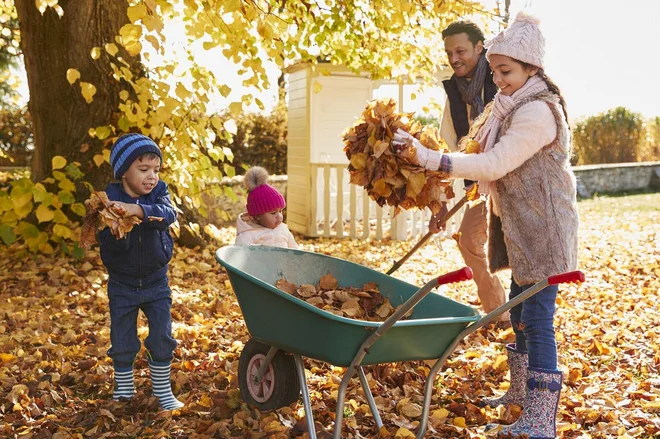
[
  {"x": 72, "y": 75},
  {"x": 472, "y": 147},
  {"x": 404, "y": 433},
  {"x": 182, "y": 92},
  {"x": 153, "y": 41},
  {"x": 136, "y": 12},
  {"x": 62, "y": 231},
  {"x": 7, "y": 358},
  {"x": 103, "y": 132},
  {"x": 381, "y": 188},
  {"x": 58, "y": 162},
  {"x": 473, "y": 193},
  {"x": 273, "y": 427},
  {"x": 130, "y": 33},
  {"x": 88, "y": 91},
  {"x": 98, "y": 159},
  {"x": 129, "y": 36},
  {"x": 265, "y": 30},
  {"x": 44, "y": 214},
  {"x": 95, "y": 53},
  {"x": 380, "y": 148},
  {"x": 317, "y": 87},
  {"x": 224, "y": 90},
  {"x": 205, "y": 401},
  {"x": 235, "y": 108},
  {"x": 111, "y": 48},
  {"x": 359, "y": 161},
  {"x": 459, "y": 421},
  {"x": 23, "y": 210},
  {"x": 46, "y": 248},
  {"x": 440, "y": 414},
  {"x": 415, "y": 185}
]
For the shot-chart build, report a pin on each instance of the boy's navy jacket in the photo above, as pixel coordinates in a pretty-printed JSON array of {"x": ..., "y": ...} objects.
[{"x": 141, "y": 257}]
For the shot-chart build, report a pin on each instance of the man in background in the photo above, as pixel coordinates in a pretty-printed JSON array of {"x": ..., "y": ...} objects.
[{"x": 469, "y": 89}]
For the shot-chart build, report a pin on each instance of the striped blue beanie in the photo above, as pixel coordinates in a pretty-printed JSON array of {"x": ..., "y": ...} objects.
[{"x": 129, "y": 147}]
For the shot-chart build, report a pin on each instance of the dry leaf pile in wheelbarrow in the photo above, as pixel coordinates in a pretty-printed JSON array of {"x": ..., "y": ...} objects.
[
  {"x": 376, "y": 164},
  {"x": 102, "y": 213},
  {"x": 363, "y": 303}
]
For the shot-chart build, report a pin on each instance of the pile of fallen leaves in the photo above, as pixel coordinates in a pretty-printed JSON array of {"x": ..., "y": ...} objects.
[
  {"x": 102, "y": 213},
  {"x": 365, "y": 303},
  {"x": 379, "y": 166}
]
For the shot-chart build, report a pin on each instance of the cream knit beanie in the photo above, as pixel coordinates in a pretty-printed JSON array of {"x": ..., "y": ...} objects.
[{"x": 521, "y": 41}]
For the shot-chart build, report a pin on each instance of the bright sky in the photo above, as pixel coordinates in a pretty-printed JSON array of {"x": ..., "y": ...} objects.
[{"x": 601, "y": 53}]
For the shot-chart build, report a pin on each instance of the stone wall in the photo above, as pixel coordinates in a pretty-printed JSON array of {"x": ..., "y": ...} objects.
[
  {"x": 617, "y": 177},
  {"x": 591, "y": 179}
]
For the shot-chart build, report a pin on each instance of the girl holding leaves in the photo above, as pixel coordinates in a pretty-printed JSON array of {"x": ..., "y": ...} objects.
[{"x": 533, "y": 221}]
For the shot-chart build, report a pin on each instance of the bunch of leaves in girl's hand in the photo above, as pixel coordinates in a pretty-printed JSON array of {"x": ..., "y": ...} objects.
[
  {"x": 102, "y": 213},
  {"x": 364, "y": 303},
  {"x": 383, "y": 169}
]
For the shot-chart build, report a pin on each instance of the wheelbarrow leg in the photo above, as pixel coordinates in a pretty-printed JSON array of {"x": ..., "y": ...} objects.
[
  {"x": 370, "y": 398},
  {"x": 428, "y": 387},
  {"x": 341, "y": 393},
  {"x": 309, "y": 416}
]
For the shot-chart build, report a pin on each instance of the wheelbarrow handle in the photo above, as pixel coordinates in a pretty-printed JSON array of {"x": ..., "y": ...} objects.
[
  {"x": 428, "y": 235},
  {"x": 461, "y": 275},
  {"x": 569, "y": 277}
]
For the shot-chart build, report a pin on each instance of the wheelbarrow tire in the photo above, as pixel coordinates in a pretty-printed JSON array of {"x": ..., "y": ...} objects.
[{"x": 280, "y": 385}]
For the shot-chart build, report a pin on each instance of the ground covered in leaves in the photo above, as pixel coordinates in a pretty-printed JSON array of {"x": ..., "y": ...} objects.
[{"x": 55, "y": 378}]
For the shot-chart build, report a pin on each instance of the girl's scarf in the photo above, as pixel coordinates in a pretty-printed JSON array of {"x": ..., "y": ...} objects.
[{"x": 502, "y": 107}]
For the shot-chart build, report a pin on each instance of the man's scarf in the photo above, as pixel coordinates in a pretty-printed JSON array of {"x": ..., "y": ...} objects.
[{"x": 471, "y": 90}]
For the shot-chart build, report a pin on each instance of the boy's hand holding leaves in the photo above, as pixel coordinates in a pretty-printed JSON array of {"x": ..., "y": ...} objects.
[{"x": 101, "y": 213}]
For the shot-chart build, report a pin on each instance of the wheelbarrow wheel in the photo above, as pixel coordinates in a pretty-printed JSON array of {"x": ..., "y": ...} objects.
[{"x": 278, "y": 388}]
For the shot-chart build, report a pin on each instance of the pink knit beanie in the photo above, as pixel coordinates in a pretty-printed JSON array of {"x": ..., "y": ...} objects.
[
  {"x": 262, "y": 197},
  {"x": 521, "y": 41}
]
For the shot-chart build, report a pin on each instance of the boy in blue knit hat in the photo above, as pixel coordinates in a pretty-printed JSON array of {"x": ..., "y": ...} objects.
[{"x": 137, "y": 268}]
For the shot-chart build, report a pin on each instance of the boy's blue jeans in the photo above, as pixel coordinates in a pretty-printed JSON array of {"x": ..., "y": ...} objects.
[
  {"x": 532, "y": 321},
  {"x": 155, "y": 301}
]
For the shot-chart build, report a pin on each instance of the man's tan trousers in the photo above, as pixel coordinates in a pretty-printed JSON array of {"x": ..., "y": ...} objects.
[{"x": 472, "y": 244}]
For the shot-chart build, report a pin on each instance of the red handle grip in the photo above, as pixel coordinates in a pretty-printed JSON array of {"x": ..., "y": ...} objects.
[
  {"x": 464, "y": 273},
  {"x": 569, "y": 277}
]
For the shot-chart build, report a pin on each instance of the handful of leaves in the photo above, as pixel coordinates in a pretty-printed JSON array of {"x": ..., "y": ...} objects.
[
  {"x": 102, "y": 213},
  {"x": 365, "y": 303},
  {"x": 379, "y": 166}
]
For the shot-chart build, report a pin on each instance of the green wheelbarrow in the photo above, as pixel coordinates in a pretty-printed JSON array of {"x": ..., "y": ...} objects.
[{"x": 284, "y": 329}]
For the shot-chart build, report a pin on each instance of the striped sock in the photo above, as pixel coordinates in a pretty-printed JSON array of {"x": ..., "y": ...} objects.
[
  {"x": 162, "y": 388},
  {"x": 124, "y": 384}
]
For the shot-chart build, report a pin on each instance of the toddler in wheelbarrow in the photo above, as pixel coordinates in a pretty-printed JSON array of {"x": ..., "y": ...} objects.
[{"x": 523, "y": 166}]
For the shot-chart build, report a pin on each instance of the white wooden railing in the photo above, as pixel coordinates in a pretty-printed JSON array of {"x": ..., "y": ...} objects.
[{"x": 350, "y": 213}]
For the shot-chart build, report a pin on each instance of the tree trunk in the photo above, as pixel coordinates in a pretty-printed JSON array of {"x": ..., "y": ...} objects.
[{"x": 61, "y": 116}]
